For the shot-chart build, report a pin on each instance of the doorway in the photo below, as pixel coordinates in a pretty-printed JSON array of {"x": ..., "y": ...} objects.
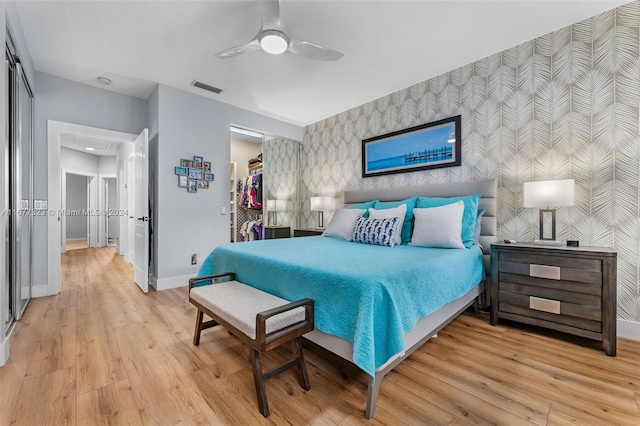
[
  {"x": 84, "y": 140},
  {"x": 77, "y": 192}
]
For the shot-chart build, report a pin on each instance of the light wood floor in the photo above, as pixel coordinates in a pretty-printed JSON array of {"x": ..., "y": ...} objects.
[
  {"x": 102, "y": 352},
  {"x": 76, "y": 244}
]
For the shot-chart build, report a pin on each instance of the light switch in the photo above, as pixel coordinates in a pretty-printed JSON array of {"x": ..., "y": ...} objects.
[{"x": 223, "y": 210}]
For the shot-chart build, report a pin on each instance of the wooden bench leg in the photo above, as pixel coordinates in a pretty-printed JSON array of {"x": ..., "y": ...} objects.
[
  {"x": 259, "y": 381},
  {"x": 302, "y": 367},
  {"x": 198, "y": 330}
]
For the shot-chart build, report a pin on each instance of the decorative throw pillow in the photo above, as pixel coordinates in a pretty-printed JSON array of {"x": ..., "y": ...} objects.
[
  {"x": 343, "y": 223},
  {"x": 405, "y": 235},
  {"x": 399, "y": 212},
  {"x": 364, "y": 206},
  {"x": 438, "y": 226},
  {"x": 468, "y": 219},
  {"x": 380, "y": 232},
  {"x": 476, "y": 239}
]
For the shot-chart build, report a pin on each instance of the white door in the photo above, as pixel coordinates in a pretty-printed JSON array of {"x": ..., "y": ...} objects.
[
  {"x": 105, "y": 213},
  {"x": 141, "y": 210},
  {"x": 130, "y": 218}
]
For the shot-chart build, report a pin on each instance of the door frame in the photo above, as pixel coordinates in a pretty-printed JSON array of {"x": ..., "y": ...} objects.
[
  {"x": 54, "y": 194},
  {"x": 103, "y": 240},
  {"x": 63, "y": 205}
]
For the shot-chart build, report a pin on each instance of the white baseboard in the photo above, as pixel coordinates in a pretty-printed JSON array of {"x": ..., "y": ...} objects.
[
  {"x": 40, "y": 290},
  {"x": 153, "y": 281},
  {"x": 173, "y": 282},
  {"x": 4, "y": 351},
  {"x": 629, "y": 329}
]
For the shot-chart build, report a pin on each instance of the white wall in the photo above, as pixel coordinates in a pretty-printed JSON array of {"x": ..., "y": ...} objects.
[
  {"x": 8, "y": 10},
  {"x": 187, "y": 223},
  {"x": 67, "y": 101},
  {"x": 78, "y": 161},
  {"x": 114, "y": 223},
  {"x": 76, "y": 200},
  {"x": 108, "y": 164},
  {"x": 242, "y": 152}
]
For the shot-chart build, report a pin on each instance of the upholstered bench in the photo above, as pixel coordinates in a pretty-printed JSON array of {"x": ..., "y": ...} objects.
[{"x": 261, "y": 320}]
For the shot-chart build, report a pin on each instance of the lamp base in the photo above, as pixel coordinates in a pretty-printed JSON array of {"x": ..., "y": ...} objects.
[{"x": 548, "y": 242}]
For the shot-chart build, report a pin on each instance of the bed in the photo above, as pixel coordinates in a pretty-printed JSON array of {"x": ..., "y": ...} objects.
[{"x": 374, "y": 305}]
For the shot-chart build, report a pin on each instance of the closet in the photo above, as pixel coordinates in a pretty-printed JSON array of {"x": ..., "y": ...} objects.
[
  {"x": 18, "y": 187},
  {"x": 246, "y": 186}
]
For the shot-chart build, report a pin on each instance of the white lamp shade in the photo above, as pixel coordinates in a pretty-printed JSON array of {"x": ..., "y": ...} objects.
[
  {"x": 549, "y": 193},
  {"x": 275, "y": 205},
  {"x": 320, "y": 204}
]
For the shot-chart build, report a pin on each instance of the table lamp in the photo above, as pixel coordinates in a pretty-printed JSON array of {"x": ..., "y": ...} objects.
[
  {"x": 320, "y": 204},
  {"x": 273, "y": 207},
  {"x": 547, "y": 195}
]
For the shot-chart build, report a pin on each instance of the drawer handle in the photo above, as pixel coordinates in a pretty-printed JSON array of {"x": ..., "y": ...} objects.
[
  {"x": 545, "y": 305},
  {"x": 544, "y": 271}
]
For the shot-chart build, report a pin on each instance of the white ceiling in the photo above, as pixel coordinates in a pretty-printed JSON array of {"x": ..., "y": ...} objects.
[
  {"x": 387, "y": 46},
  {"x": 101, "y": 146}
]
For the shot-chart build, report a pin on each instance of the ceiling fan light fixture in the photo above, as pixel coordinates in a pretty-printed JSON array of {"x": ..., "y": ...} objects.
[{"x": 274, "y": 42}]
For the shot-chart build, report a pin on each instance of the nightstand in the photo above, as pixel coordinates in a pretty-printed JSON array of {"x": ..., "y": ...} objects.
[
  {"x": 273, "y": 232},
  {"x": 307, "y": 232},
  {"x": 568, "y": 289}
]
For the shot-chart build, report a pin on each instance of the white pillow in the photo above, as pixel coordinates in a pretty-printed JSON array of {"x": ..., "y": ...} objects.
[
  {"x": 343, "y": 223},
  {"x": 438, "y": 226},
  {"x": 398, "y": 212}
]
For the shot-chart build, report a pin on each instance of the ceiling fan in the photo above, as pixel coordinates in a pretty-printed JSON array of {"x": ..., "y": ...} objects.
[{"x": 272, "y": 39}]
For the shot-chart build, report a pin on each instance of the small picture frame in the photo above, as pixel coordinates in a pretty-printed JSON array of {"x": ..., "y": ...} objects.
[
  {"x": 195, "y": 173},
  {"x": 204, "y": 184},
  {"x": 182, "y": 171},
  {"x": 186, "y": 163},
  {"x": 209, "y": 177},
  {"x": 183, "y": 181},
  {"x": 197, "y": 161},
  {"x": 192, "y": 186},
  {"x": 207, "y": 166}
]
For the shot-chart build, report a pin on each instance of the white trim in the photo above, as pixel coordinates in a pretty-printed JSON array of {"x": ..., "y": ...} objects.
[
  {"x": 629, "y": 329},
  {"x": 54, "y": 193},
  {"x": 167, "y": 283},
  {"x": 40, "y": 290},
  {"x": 4, "y": 351},
  {"x": 153, "y": 281}
]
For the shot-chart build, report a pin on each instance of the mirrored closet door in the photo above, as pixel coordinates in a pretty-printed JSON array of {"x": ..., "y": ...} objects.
[{"x": 19, "y": 190}]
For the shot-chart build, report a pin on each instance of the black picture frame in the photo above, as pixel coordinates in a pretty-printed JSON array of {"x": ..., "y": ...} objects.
[
  {"x": 192, "y": 186},
  {"x": 428, "y": 146}
]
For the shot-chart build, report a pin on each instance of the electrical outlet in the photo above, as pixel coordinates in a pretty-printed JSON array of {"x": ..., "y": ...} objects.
[
  {"x": 194, "y": 259},
  {"x": 223, "y": 210}
]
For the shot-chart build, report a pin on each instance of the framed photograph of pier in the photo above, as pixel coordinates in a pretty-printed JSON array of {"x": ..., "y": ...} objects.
[{"x": 428, "y": 146}]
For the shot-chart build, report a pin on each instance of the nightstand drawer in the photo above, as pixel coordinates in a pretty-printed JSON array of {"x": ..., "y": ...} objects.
[
  {"x": 538, "y": 269},
  {"x": 583, "y": 317},
  {"x": 572, "y": 286}
]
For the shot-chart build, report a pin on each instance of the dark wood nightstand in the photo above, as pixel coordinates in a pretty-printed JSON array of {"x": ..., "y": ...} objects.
[
  {"x": 568, "y": 289},
  {"x": 307, "y": 232},
  {"x": 273, "y": 232}
]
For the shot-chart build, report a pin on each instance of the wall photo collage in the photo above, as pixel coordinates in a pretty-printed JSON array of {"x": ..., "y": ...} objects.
[{"x": 194, "y": 174}]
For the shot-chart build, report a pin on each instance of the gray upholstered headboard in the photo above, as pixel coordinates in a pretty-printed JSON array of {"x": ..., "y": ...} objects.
[{"x": 488, "y": 201}]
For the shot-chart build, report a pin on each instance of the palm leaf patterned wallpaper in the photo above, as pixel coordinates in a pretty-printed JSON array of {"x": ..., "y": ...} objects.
[{"x": 565, "y": 105}]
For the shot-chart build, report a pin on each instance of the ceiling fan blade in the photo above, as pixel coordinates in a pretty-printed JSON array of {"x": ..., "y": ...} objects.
[
  {"x": 313, "y": 51},
  {"x": 270, "y": 10},
  {"x": 239, "y": 50}
]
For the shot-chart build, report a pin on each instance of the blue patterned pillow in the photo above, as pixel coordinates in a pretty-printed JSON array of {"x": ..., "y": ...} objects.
[{"x": 380, "y": 232}]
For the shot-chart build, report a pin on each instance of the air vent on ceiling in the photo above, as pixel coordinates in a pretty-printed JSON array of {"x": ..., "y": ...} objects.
[{"x": 204, "y": 86}]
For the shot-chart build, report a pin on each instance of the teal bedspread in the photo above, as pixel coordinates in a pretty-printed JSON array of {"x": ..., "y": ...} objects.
[{"x": 368, "y": 295}]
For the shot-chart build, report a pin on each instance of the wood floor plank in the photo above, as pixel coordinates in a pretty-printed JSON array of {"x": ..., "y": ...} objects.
[
  {"x": 103, "y": 352},
  {"x": 47, "y": 399},
  {"x": 56, "y": 347},
  {"x": 112, "y": 404}
]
